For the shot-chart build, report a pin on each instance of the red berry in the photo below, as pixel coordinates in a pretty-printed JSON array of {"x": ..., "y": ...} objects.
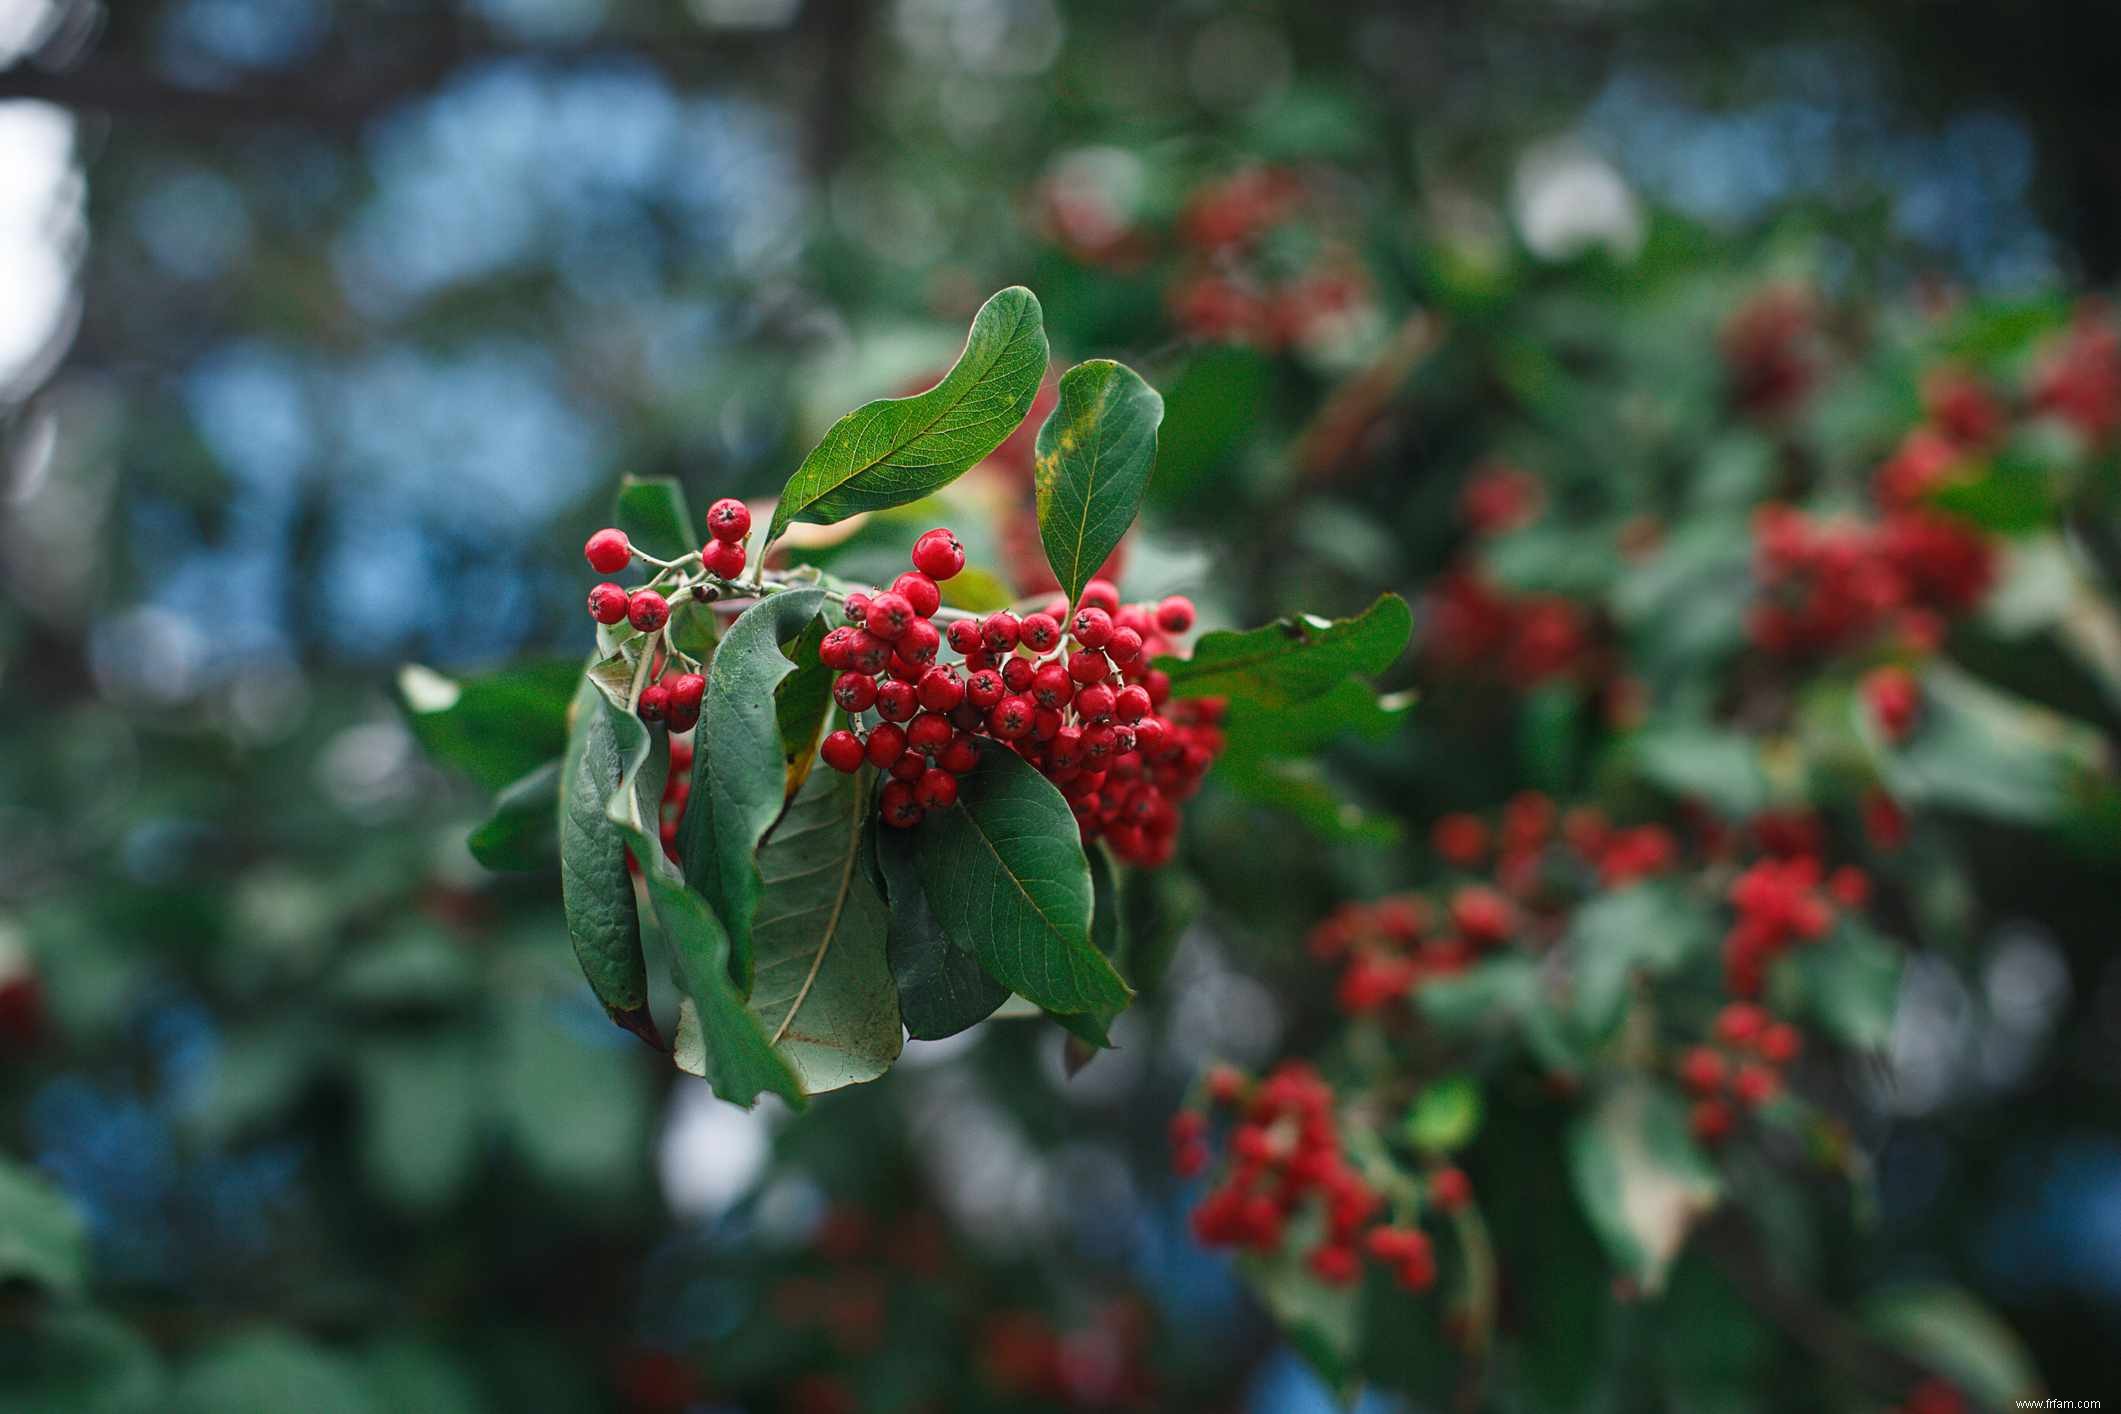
[
  {"x": 1175, "y": 614},
  {"x": 1895, "y": 699},
  {"x": 897, "y": 701},
  {"x": 940, "y": 689},
  {"x": 1089, "y": 667},
  {"x": 1124, "y": 647},
  {"x": 1132, "y": 703},
  {"x": 1711, "y": 1121},
  {"x": 1755, "y": 1085},
  {"x": 886, "y": 744},
  {"x": 920, "y": 592},
  {"x": 1000, "y": 631},
  {"x": 835, "y": 650},
  {"x": 729, "y": 520},
  {"x": 918, "y": 644},
  {"x": 929, "y": 733},
  {"x": 890, "y": 615},
  {"x": 855, "y": 692},
  {"x": 937, "y": 554},
  {"x": 686, "y": 692},
  {"x": 856, "y": 607},
  {"x": 654, "y": 705},
  {"x": 1701, "y": 1070},
  {"x": 1091, "y": 626},
  {"x": 1449, "y": 1189},
  {"x": 722, "y": 558},
  {"x": 866, "y": 653},
  {"x": 1101, "y": 594},
  {"x": 1739, "y": 1023},
  {"x": 607, "y": 603},
  {"x": 1335, "y": 1265},
  {"x": 908, "y": 767},
  {"x": 965, "y": 636},
  {"x": 842, "y": 751},
  {"x": 1011, "y": 718},
  {"x": 1017, "y": 673},
  {"x": 1780, "y": 1044},
  {"x": 608, "y": 551},
  {"x": 647, "y": 610},
  {"x": 985, "y": 688},
  {"x": 900, "y": 810},
  {"x": 1045, "y": 722},
  {"x": 960, "y": 756},
  {"x": 1052, "y": 687},
  {"x": 935, "y": 789},
  {"x": 1039, "y": 632},
  {"x": 1094, "y": 703}
]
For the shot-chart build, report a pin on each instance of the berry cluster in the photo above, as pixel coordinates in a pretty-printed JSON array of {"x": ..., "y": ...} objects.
[
  {"x": 1830, "y": 585},
  {"x": 1286, "y": 1151},
  {"x": 1082, "y": 703},
  {"x": 2079, "y": 380},
  {"x": 673, "y": 700},
  {"x": 1780, "y": 903},
  {"x": 1739, "y": 1067},
  {"x": 1475, "y": 627}
]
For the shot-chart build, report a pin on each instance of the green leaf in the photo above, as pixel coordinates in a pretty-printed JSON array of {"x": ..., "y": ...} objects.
[
  {"x": 576, "y": 1113},
  {"x": 269, "y": 1372},
  {"x": 1094, "y": 1028},
  {"x": 421, "y": 1099},
  {"x": 800, "y": 705},
  {"x": 1951, "y": 1332},
  {"x": 1212, "y": 409},
  {"x": 1489, "y": 996},
  {"x": 1445, "y": 1116},
  {"x": 76, "y": 1360},
  {"x": 1640, "y": 1180},
  {"x": 1988, "y": 753},
  {"x": 1005, "y": 874},
  {"x": 719, "y": 1038},
  {"x": 740, "y": 766},
  {"x": 496, "y": 728},
  {"x": 1720, "y": 768},
  {"x": 1304, "y": 728},
  {"x": 603, "y": 921},
  {"x": 1307, "y": 792},
  {"x": 1095, "y": 454},
  {"x": 42, "y": 1239},
  {"x": 824, "y": 992},
  {"x": 1649, "y": 927},
  {"x": 1293, "y": 659},
  {"x": 942, "y": 989},
  {"x": 1851, "y": 984},
  {"x": 1323, "y": 1323},
  {"x": 896, "y": 450},
  {"x": 1156, "y": 906},
  {"x": 652, "y": 512},
  {"x": 520, "y": 834}
]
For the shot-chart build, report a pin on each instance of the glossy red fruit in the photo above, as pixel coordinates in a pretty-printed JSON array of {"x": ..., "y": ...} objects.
[
  {"x": 929, "y": 733},
  {"x": 722, "y": 558},
  {"x": 918, "y": 644},
  {"x": 1125, "y": 646},
  {"x": 965, "y": 637},
  {"x": 855, "y": 692},
  {"x": 898, "y": 806},
  {"x": 985, "y": 688},
  {"x": 1052, "y": 687},
  {"x": 1089, "y": 667},
  {"x": 1091, "y": 626},
  {"x": 1039, "y": 632},
  {"x": 1011, "y": 718},
  {"x": 608, "y": 551},
  {"x": 1175, "y": 614},
  {"x": 866, "y": 653},
  {"x": 607, "y": 603},
  {"x": 1702, "y": 1070},
  {"x": 687, "y": 690},
  {"x": 890, "y": 615},
  {"x": 908, "y": 767},
  {"x": 1017, "y": 673},
  {"x": 897, "y": 701},
  {"x": 961, "y": 755},
  {"x": 856, "y": 607},
  {"x": 937, "y": 554},
  {"x": 1131, "y": 703},
  {"x": 940, "y": 689},
  {"x": 837, "y": 648},
  {"x": 654, "y": 705},
  {"x": 1094, "y": 703},
  {"x": 1100, "y": 594},
  {"x": 920, "y": 592},
  {"x": 647, "y": 610},
  {"x": 935, "y": 789},
  {"x": 729, "y": 520},
  {"x": 842, "y": 751},
  {"x": 1000, "y": 631},
  {"x": 886, "y": 744}
]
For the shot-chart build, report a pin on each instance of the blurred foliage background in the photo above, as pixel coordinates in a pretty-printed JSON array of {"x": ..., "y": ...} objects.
[{"x": 326, "y": 327}]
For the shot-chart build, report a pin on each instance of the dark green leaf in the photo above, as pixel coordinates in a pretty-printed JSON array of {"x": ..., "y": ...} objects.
[
  {"x": 739, "y": 766},
  {"x": 1005, "y": 874},
  {"x": 602, "y": 918},
  {"x": 652, "y": 512},
  {"x": 1983, "y": 751},
  {"x": 75, "y": 1360},
  {"x": 1304, "y": 728},
  {"x": 1156, "y": 906},
  {"x": 420, "y": 1098},
  {"x": 1640, "y": 1180},
  {"x": 824, "y": 992},
  {"x": 1094, "y": 1028},
  {"x": 1648, "y": 927},
  {"x": 896, "y": 450},
  {"x": 1851, "y": 984},
  {"x": 1095, "y": 454},
  {"x": 1950, "y": 1331},
  {"x": 942, "y": 989},
  {"x": 800, "y": 705},
  {"x": 719, "y": 1037},
  {"x": 1293, "y": 659},
  {"x": 1722, "y": 769},
  {"x": 42, "y": 1239},
  {"x": 1305, "y": 790},
  {"x": 1211, "y": 411},
  {"x": 521, "y": 832},
  {"x": 496, "y": 728}
]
